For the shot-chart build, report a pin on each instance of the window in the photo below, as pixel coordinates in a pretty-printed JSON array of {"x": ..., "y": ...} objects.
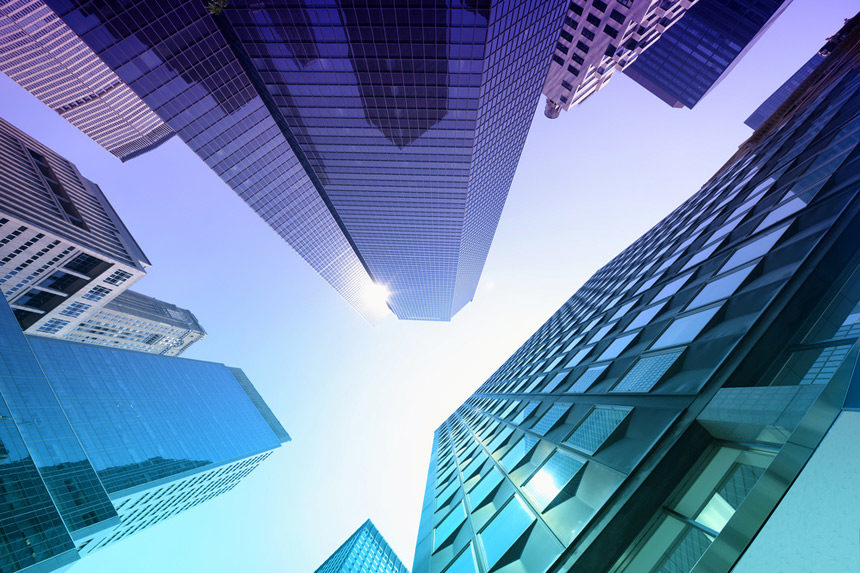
[
  {"x": 555, "y": 474},
  {"x": 553, "y": 384},
  {"x": 525, "y": 413},
  {"x": 578, "y": 357},
  {"x": 672, "y": 287},
  {"x": 517, "y": 452},
  {"x": 610, "y": 31},
  {"x": 593, "y": 20},
  {"x": 647, "y": 372},
  {"x": 96, "y": 293},
  {"x": 505, "y": 528},
  {"x": 465, "y": 563},
  {"x": 86, "y": 265},
  {"x": 596, "y": 428},
  {"x": 645, "y": 316},
  {"x": 617, "y": 347},
  {"x": 754, "y": 249},
  {"x": 586, "y": 33},
  {"x": 52, "y": 326},
  {"x": 721, "y": 288},
  {"x": 582, "y": 47},
  {"x": 118, "y": 277},
  {"x": 617, "y": 16},
  {"x": 68, "y": 209},
  {"x": 550, "y": 418},
  {"x": 487, "y": 484},
  {"x": 449, "y": 525},
  {"x": 684, "y": 330},
  {"x": 588, "y": 378}
]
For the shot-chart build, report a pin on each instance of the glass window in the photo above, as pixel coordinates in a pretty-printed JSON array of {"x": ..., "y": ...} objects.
[
  {"x": 551, "y": 418},
  {"x": 721, "y": 288},
  {"x": 597, "y": 426},
  {"x": 449, "y": 525},
  {"x": 624, "y": 309},
  {"x": 517, "y": 452},
  {"x": 617, "y": 347},
  {"x": 553, "y": 384},
  {"x": 672, "y": 287},
  {"x": 598, "y": 336},
  {"x": 505, "y": 528},
  {"x": 588, "y": 378},
  {"x": 684, "y": 330},
  {"x": 754, "y": 249},
  {"x": 465, "y": 563},
  {"x": 545, "y": 485},
  {"x": 499, "y": 439},
  {"x": 554, "y": 363},
  {"x": 487, "y": 484},
  {"x": 781, "y": 212},
  {"x": 523, "y": 415},
  {"x": 647, "y": 372},
  {"x": 578, "y": 357},
  {"x": 645, "y": 317}
]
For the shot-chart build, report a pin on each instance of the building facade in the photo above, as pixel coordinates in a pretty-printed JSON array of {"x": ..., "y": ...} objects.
[
  {"x": 134, "y": 321},
  {"x": 662, "y": 419},
  {"x": 99, "y": 443},
  {"x": 40, "y": 53},
  {"x": 379, "y": 142},
  {"x": 695, "y": 55},
  {"x": 64, "y": 252},
  {"x": 599, "y": 38},
  {"x": 366, "y": 551}
]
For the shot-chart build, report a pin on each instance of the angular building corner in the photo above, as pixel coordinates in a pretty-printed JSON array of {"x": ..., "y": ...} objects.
[
  {"x": 365, "y": 550},
  {"x": 380, "y": 143},
  {"x": 687, "y": 407}
]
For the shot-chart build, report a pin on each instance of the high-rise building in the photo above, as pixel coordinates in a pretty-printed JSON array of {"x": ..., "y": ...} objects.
[
  {"x": 697, "y": 53},
  {"x": 63, "y": 250},
  {"x": 696, "y": 399},
  {"x": 379, "y": 140},
  {"x": 366, "y": 551},
  {"x": 99, "y": 443},
  {"x": 135, "y": 321},
  {"x": 599, "y": 38},
  {"x": 41, "y": 54}
]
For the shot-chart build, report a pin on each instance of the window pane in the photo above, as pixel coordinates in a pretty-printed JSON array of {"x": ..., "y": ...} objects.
[
  {"x": 465, "y": 563},
  {"x": 550, "y": 418},
  {"x": 505, "y": 529},
  {"x": 588, "y": 378},
  {"x": 517, "y": 452},
  {"x": 684, "y": 330},
  {"x": 487, "y": 484},
  {"x": 596, "y": 428},
  {"x": 754, "y": 249},
  {"x": 617, "y": 347},
  {"x": 721, "y": 288},
  {"x": 647, "y": 372},
  {"x": 551, "y": 478},
  {"x": 450, "y": 524},
  {"x": 645, "y": 317}
]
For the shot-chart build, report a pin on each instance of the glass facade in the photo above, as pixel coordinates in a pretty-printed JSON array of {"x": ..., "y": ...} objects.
[
  {"x": 85, "y": 427},
  {"x": 366, "y": 551},
  {"x": 656, "y": 419},
  {"x": 764, "y": 111},
  {"x": 379, "y": 142},
  {"x": 696, "y": 53}
]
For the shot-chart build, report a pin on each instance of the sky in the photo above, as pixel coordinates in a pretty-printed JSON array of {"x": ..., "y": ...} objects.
[{"x": 362, "y": 402}]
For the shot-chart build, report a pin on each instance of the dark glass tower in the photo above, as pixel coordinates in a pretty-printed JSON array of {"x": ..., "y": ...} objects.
[
  {"x": 99, "y": 443},
  {"x": 366, "y": 551},
  {"x": 662, "y": 418},
  {"x": 695, "y": 54},
  {"x": 378, "y": 139}
]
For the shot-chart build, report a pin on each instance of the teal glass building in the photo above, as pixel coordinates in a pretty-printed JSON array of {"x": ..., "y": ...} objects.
[
  {"x": 694, "y": 405},
  {"x": 378, "y": 139},
  {"x": 366, "y": 551},
  {"x": 98, "y": 443}
]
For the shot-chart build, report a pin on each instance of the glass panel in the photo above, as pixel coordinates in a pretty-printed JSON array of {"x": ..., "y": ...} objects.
[
  {"x": 449, "y": 524},
  {"x": 525, "y": 413},
  {"x": 465, "y": 563},
  {"x": 601, "y": 334},
  {"x": 517, "y": 452},
  {"x": 505, "y": 528},
  {"x": 672, "y": 287},
  {"x": 596, "y": 428},
  {"x": 754, "y": 249},
  {"x": 684, "y": 330},
  {"x": 487, "y": 484},
  {"x": 553, "y": 384},
  {"x": 545, "y": 485},
  {"x": 645, "y": 316},
  {"x": 647, "y": 372},
  {"x": 550, "y": 418},
  {"x": 617, "y": 347},
  {"x": 720, "y": 288},
  {"x": 578, "y": 357}
]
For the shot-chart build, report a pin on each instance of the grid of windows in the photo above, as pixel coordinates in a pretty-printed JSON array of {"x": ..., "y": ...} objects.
[{"x": 366, "y": 551}]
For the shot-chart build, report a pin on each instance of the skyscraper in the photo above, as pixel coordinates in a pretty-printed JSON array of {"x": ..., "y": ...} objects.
[
  {"x": 379, "y": 142},
  {"x": 41, "y": 54},
  {"x": 687, "y": 405},
  {"x": 366, "y": 551},
  {"x": 599, "y": 38},
  {"x": 99, "y": 443},
  {"x": 135, "y": 321},
  {"x": 63, "y": 249},
  {"x": 697, "y": 53}
]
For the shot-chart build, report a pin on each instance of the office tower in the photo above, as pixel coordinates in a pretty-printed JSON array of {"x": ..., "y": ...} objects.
[
  {"x": 698, "y": 52},
  {"x": 99, "y": 443},
  {"x": 777, "y": 98},
  {"x": 135, "y": 321},
  {"x": 64, "y": 252},
  {"x": 599, "y": 37},
  {"x": 41, "y": 54},
  {"x": 693, "y": 402},
  {"x": 365, "y": 551},
  {"x": 379, "y": 142}
]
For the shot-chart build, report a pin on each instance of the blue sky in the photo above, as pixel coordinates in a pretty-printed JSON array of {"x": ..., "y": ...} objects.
[{"x": 362, "y": 402}]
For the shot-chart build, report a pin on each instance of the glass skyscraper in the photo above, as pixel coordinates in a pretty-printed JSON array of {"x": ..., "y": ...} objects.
[
  {"x": 379, "y": 142},
  {"x": 695, "y": 54},
  {"x": 98, "y": 443},
  {"x": 672, "y": 415},
  {"x": 366, "y": 551}
]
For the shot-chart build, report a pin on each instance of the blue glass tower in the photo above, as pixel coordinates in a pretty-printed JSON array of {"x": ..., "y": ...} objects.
[
  {"x": 672, "y": 415},
  {"x": 99, "y": 443},
  {"x": 696, "y": 53},
  {"x": 366, "y": 551},
  {"x": 378, "y": 139}
]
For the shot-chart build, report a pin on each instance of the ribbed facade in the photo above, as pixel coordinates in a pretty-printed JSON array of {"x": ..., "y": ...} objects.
[
  {"x": 655, "y": 421},
  {"x": 366, "y": 551},
  {"x": 40, "y": 53}
]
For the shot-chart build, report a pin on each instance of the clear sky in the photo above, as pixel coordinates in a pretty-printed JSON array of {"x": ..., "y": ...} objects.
[{"x": 362, "y": 402}]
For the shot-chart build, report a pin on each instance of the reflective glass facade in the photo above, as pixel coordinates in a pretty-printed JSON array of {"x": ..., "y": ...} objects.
[
  {"x": 379, "y": 142},
  {"x": 658, "y": 417},
  {"x": 366, "y": 551},
  {"x": 86, "y": 427},
  {"x": 695, "y": 54},
  {"x": 764, "y": 111}
]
